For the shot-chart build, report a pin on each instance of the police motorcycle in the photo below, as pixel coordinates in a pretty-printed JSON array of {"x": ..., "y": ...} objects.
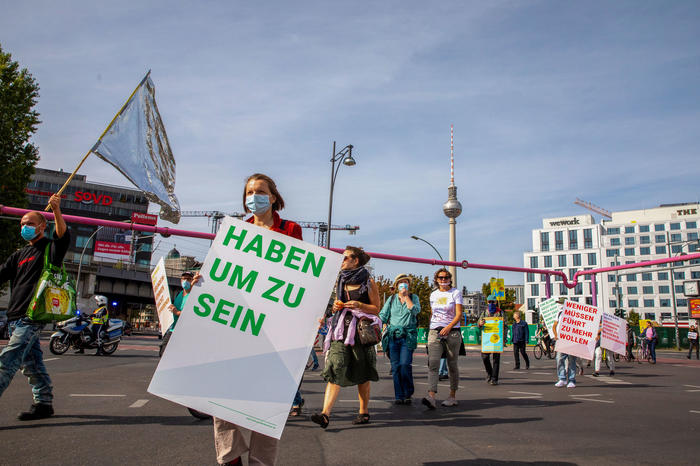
[{"x": 77, "y": 332}]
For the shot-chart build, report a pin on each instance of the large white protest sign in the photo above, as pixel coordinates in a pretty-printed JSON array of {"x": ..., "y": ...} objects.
[
  {"x": 246, "y": 330},
  {"x": 549, "y": 309},
  {"x": 577, "y": 329},
  {"x": 161, "y": 292},
  {"x": 613, "y": 333}
]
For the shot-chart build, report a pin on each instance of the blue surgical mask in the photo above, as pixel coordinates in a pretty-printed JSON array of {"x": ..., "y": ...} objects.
[
  {"x": 403, "y": 286},
  {"x": 257, "y": 203},
  {"x": 186, "y": 285},
  {"x": 28, "y": 232}
]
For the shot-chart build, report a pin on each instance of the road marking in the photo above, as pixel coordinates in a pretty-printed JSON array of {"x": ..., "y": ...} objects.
[
  {"x": 589, "y": 394},
  {"x": 93, "y": 394},
  {"x": 524, "y": 397},
  {"x": 610, "y": 380},
  {"x": 692, "y": 386},
  {"x": 542, "y": 373},
  {"x": 695, "y": 412},
  {"x": 525, "y": 393},
  {"x": 581, "y": 398},
  {"x": 51, "y": 359},
  {"x": 138, "y": 404},
  {"x": 692, "y": 391}
]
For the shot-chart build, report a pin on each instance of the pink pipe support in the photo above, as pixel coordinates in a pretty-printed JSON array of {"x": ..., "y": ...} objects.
[{"x": 377, "y": 255}]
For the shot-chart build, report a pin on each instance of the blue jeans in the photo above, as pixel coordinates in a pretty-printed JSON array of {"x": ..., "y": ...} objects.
[
  {"x": 315, "y": 358},
  {"x": 563, "y": 371},
  {"x": 401, "y": 368},
  {"x": 651, "y": 344},
  {"x": 24, "y": 351},
  {"x": 443, "y": 367}
]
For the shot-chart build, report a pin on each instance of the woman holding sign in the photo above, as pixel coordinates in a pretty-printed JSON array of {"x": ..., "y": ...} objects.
[
  {"x": 349, "y": 361},
  {"x": 444, "y": 334},
  {"x": 261, "y": 198}
]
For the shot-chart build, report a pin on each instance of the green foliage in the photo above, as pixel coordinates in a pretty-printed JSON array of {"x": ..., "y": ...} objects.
[
  {"x": 18, "y": 156},
  {"x": 633, "y": 319},
  {"x": 420, "y": 286}
]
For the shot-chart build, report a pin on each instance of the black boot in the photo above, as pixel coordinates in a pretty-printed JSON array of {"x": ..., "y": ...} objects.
[{"x": 36, "y": 411}]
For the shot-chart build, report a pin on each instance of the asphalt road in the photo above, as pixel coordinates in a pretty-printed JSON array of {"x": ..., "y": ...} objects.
[{"x": 643, "y": 415}]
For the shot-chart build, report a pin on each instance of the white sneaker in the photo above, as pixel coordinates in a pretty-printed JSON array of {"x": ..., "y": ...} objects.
[
  {"x": 429, "y": 402},
  {"x": 571, "y": 385},
  {"x": 560, "y": 384},
  {"x": 449, "y": 402}
]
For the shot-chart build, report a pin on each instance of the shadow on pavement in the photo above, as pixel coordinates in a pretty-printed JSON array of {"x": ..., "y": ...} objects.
[
  {"x": 97, "y": 420},
  {"x": 488, "y": 462}
]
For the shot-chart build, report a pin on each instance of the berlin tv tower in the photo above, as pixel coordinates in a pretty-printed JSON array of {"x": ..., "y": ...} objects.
[{"x": 452, "y": 208}]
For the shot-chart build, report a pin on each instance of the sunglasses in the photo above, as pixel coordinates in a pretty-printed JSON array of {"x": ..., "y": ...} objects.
[
  {"x": 347, "y": 258},
  {"x": 443, "y": 277}
]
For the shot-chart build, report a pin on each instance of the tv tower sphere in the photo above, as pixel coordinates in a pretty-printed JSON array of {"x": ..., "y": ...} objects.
[{"x": 452, "y": 208}]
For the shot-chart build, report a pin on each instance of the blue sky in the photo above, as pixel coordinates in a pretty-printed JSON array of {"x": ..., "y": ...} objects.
[{"x": 550, "y": 101}]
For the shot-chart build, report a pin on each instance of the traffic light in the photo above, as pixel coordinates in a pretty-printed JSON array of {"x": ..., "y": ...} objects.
[{"x": 621, "y": 313}]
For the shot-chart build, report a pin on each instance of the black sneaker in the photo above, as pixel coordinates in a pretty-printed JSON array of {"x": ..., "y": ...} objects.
[
  {"x": 443, "y": 377},
  {"x": 36, "y": 411}
]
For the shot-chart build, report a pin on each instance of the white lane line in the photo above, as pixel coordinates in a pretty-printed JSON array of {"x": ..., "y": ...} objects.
[
  {"x": 580, "y": 398},
  {"x": 695, "y": 412},
  {"x": 692, "y": 391},
  {"x": 524, "y": 397},
  {"x": 51, "y": 359},
  {"x": 609, "y": 380},
  {"x": 692, "y": 386},
  {"x": 590, "y": 394},
  {"x": 542, "y": 373},
  {"x": 525, "y": 393},
  {"x": 138, "y": 404},
  {"x": 93, "y": 394}
]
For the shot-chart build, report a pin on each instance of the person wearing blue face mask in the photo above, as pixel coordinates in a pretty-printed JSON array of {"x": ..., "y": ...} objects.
[
  {"x": 187, "y": 281},
  {"x": 401, "y": 337},
  {"x": 23, "y": 269}
]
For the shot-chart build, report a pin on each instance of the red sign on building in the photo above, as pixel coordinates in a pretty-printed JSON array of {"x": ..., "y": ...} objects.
[
  {"x": 694, "y": 308},
  {"x": 108, "y": 247},
  {"x": 143, "y": 218}
]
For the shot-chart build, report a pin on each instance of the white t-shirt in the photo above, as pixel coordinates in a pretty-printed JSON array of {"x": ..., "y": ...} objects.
[{"x": 442, "y": 303}]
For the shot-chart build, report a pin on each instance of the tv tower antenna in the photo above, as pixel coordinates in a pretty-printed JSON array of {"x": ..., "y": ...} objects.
[{"x": 452, "y": 208}]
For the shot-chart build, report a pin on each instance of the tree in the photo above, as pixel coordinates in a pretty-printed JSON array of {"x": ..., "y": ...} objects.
[
  {"x": 633, "y": 319},
  {"x": 420, "y": 286},
  {"x": 18, "y": 156}
]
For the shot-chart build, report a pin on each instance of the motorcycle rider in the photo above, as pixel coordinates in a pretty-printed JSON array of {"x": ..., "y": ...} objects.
[{"x": 98, "y": 320}]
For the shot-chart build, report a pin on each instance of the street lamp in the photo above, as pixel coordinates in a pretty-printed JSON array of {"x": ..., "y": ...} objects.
[
  {"x": 345, "y": 154},
  {"x": 80, "y": 265},
  {"x": 434, "y": 249}
]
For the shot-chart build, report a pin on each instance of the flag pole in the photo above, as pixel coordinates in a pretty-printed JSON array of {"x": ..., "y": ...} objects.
[{"x": 60, "y": 191}]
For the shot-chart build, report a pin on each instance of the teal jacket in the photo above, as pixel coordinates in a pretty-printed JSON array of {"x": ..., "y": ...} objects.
[{"x": 400, "y": 322}]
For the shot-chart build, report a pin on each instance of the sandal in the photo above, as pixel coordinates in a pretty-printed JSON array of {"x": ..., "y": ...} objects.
[
  {"x": 320, "y": 419},
  {"x": 296, "y": 411},
  {"x": 362, "y": 418}
]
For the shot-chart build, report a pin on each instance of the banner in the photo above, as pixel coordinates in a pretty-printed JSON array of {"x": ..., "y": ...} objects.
[
  {"x": 549, "y": 309},
  {"x": 498, "y": 288},
  {"x": 694, "y": 308},
  {"x": 245, "y": 333},
  {"x": 492, "y": 335},
  {"x": 112, "y": 245},
  {"x": 577, "y": 329},
  {"x": 613, "y": 334},
  {"x": 161, "y": 293}
]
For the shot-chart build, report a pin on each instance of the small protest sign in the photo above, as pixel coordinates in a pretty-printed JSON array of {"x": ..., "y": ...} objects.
[
  {"x": 613, "y": 334},
  {"x": 549, "y": 309},
  {"x": 577, "y": 329},
  {"x": 245, "y": 333},
  {"x": 161, "y": 293},
  {"x": 492, "y": 335}
]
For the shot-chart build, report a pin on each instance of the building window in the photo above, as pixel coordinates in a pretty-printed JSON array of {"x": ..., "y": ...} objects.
[
  {"x": 633, "y": 303},
  {"x": 691, "y": 225},
  {"x": 682, "y": 303},
  {"x": 695, "y": 274},
  {"x": 611, "y": 278},
  {"x": 561, "y": 260},
  {"x": 659, "y": 227},
  {"x": 573, "y": 239},
  {"x": 644, "y": 239},
  {"x": 559, "y": 240},
  {"x": 644, "y": 228},
  {"x": 679, "y": 289},
  {"x": 531, "y": 303},
  {"x": 631, "y": 290},
  {"x": 533, "y": 262},
  {"x": 83, "y": 242},
  {"x": 547, "y": 261},
  {"x": 663, "y": 275},
  {"x": 578, "y": 289},
  {"x": 631, "y": 277},
  {"x": 682, "y": 316},
  {"x": 535, "y": 289},
  {"x": 646, "y": 276},
  {"x": 693, "y": 247},
  {"x": 587, "y": 238},
  {"x": 648, "y": 303},
  {"x": 563, "y": 290},
  {"x": 665, "y": 302},
  {"x": 572, "y": 272},
  {"x": 614, "y": 241},
  {"x": 676, "y": 248},
  {"x": 530, "y": 277},
  {"x": 591, "y": 258},
  {"x": 644, "y": 251},
  {"x": 665, "y": 316},
  {"x": 648, "y": 289},
  {"x": 693, "y": 236},
  {"x": 629, "y": 251},
  {"x": 675, "y": 237},
  {"x": 612, "y": 252},
  {"x": 664, "y": 289},
  {"x": 660, "y": 249},
  {"x": 544, "y": 241},
  {"x": 612, "y": 303},
  {"x": 577, "y": 260},
  {"x": 679, "y": 275},
  {"x": 613, "y": 231},
  {"x": 629, "y": 229},
  {"x": 660, "y": 238},
  {"x": 676, "y": 226}
]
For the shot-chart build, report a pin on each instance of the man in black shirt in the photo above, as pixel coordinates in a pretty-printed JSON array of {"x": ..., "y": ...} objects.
[{"x": 23, "y": 270}]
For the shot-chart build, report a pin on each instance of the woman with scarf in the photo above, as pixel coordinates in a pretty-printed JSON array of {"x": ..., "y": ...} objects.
[
  {"x": 349, "y": 362},
  {"x": 261, "y": 198},
  {"x": 401, "y": 337}
]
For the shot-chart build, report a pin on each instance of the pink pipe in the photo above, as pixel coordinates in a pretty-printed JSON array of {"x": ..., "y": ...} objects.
[{"x": 165, "y": 231}]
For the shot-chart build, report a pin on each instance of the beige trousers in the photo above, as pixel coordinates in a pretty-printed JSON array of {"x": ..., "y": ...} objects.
[{"x": 230, "y": 443}]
